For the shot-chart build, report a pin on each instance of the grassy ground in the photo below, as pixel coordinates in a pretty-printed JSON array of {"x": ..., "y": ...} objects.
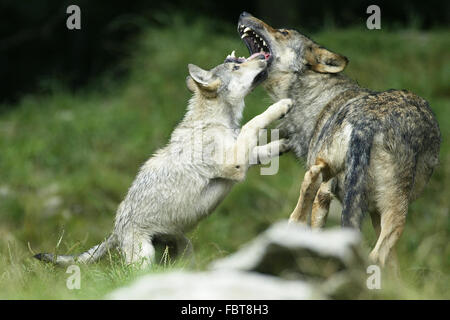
[{"x": 67, "y": 160}]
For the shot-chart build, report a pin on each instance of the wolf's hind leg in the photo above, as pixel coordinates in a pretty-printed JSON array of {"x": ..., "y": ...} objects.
[
  {"x": 394, "y": 180},
  {"x": 310, "y": 185},
  {"x": 321, "y": 205},
  {"x": 139, "y": 249},
  {"x": 376, "y": 223},
  {"x": 393, "y": 219}
]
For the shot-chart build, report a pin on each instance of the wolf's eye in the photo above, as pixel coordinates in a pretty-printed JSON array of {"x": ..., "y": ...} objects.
[
  {"x": 235, "y": 68},
  {"x": 284, "y": 32}
]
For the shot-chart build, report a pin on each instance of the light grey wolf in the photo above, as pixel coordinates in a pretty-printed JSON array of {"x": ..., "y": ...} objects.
[
  {"x": 374, "y": 150},
  {"x": 206, "y": 155}
]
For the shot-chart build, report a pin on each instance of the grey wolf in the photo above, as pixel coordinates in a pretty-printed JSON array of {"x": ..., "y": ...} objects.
[
  {"x": 186, "y": 180},
  {"x": 375, "y": 151}
]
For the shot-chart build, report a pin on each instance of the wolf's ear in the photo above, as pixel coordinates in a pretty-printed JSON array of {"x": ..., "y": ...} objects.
[
  {"x": 324, "y": 61},
  {"x": 203, "y": 80},
  {"x": 190, "y": 83}
]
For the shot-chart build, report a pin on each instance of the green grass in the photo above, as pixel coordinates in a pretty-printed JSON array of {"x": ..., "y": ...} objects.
[{"x": 67, "y": 160}]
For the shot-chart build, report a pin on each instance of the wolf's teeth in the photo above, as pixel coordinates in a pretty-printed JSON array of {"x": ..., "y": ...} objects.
[
  {"x": 233, "y": 54},
  {"x": 244, "y": 35},
  {"x": 264, "y": 43},
  {"x": 247, "y": 29}
]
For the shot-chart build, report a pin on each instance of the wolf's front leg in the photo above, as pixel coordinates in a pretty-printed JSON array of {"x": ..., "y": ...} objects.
[
  {"x": 242, "y": 150},
  {"x": 263, "y": 154},
  {"x": 321, "y": 205},
  {"x": 250, "y": 131},
  {"x": 308, "y": 190}
]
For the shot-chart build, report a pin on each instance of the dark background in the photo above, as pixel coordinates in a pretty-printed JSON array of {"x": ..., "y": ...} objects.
[{"x": 35, "y": 44}]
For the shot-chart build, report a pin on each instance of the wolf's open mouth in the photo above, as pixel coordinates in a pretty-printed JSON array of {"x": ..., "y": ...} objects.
[
  {"x": 255, "y": 42},
  {"x": 232, "y": 58},
  {"x": 259, "y": 55}
]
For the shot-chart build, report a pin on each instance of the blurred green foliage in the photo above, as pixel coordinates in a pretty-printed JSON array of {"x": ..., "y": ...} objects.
[
  {"x": 35, "y": 44},
  {"x": 67, "y": 160}
]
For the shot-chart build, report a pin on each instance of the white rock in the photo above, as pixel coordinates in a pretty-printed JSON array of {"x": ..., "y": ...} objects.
[
  {"x": 214, "y": 285},
  {"x": 295, "y": 241}
]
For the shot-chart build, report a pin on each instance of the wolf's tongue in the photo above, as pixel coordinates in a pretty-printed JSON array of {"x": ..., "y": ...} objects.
[{"x": 253, "y": 56}]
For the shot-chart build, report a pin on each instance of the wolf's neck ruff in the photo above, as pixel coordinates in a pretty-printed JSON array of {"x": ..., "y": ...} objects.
[
  {"x": 200, "y": 109},
  {"x": 311, "y": 93}
]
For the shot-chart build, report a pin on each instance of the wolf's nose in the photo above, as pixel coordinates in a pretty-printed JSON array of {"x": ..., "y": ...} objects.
[{"x": 245, "y": 14}]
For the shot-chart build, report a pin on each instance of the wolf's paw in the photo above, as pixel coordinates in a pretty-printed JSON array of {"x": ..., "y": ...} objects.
[
  {"x": 297, "y": 222},
  {"x": 284, "y": 146},
  {"x": 285, "y": 106}
]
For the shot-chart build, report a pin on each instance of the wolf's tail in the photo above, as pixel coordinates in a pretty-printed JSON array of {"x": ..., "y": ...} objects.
[
  {"x": 89, "y": 256},
  {"x": 357, "y": 163}
]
